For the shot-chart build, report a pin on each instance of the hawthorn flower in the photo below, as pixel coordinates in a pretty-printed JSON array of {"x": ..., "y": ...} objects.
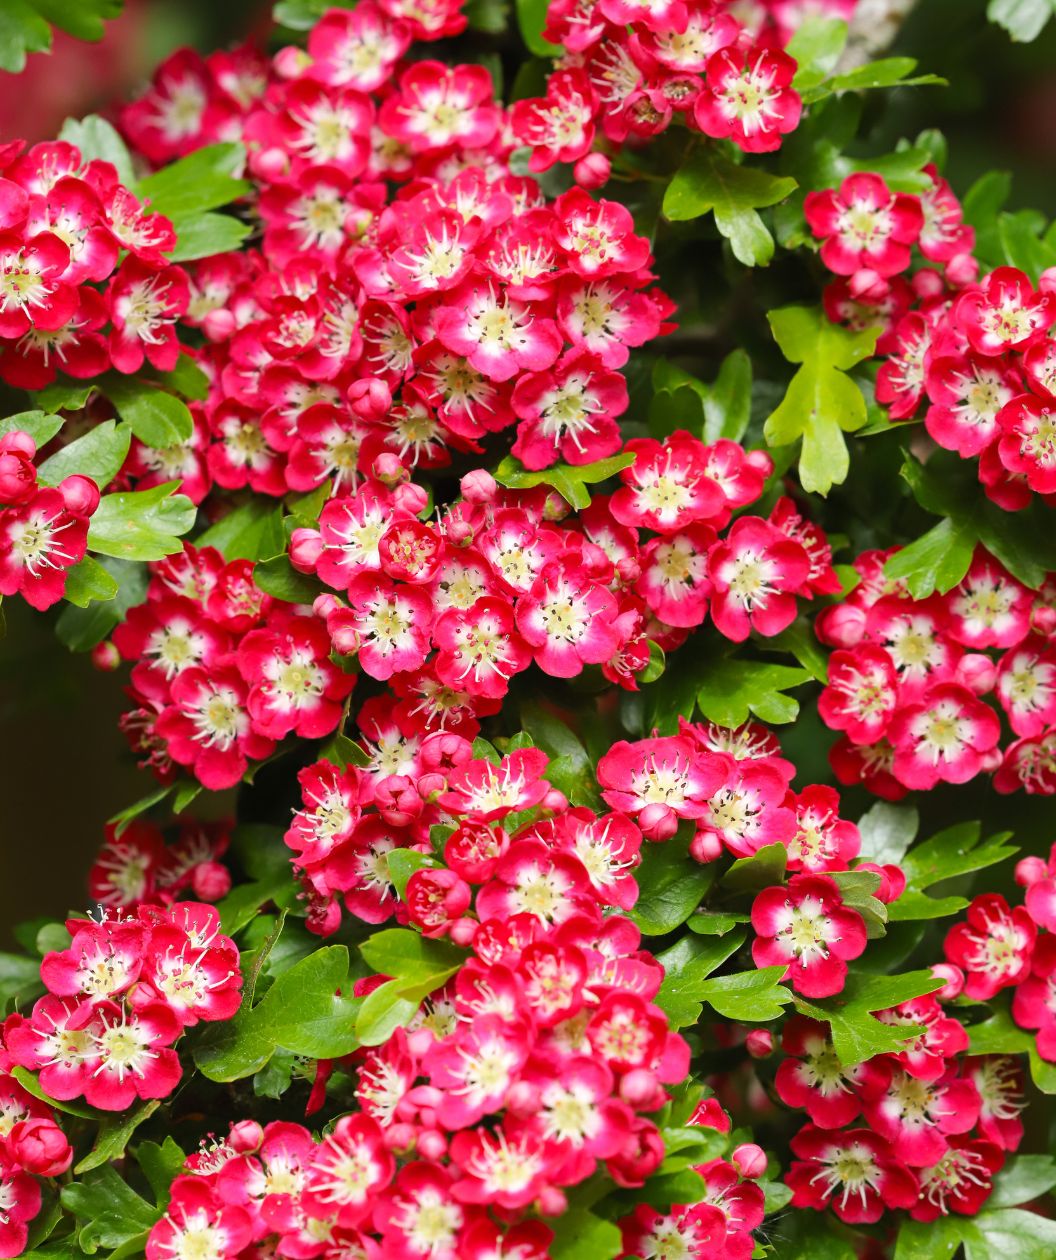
[
  {"x": 747, "y": 98},
  {"x": 755, "y": 573},
  {"x": 807, "y": 928},
  {"x": 864, "y": 227},
  {"x": 918, "y": 1116},
  {"x": 660, "y": 781},
  {"x": 667, "y": 487},
  {"x": 855, "y": 1172},
  {"x": 145, "y": 304},
  {"x": 942, "y": 737},
  {"x": 812, "y": 1077},
  {"x": 42, "y": 539},
  {"x": 1003, "y": 313}
]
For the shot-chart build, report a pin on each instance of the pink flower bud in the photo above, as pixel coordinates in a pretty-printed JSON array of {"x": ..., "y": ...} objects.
[
  {"x": 658, "y": 822},
  {"x": 306, "y": 546},
  {"x": 761, "y": 461},
  {"x": 444, "y": 751},
  {"x": 749, "y": 1160},
  {"x": 219, "y": 325},
  {"x": 40, "y": 1146},
  {"x": 928, "y": 284},
  {"x": 705, "y": 847},
  {"x": 18, "y": 477},
  {"x": 419, "y": 1042},
  {"x": 369, "y": 398},
  {"x": 211, "y": 881},
  {"x": 291, "y": 62},
  {"x": 105, "y": 657},
  {"x": 892, "y": 880},
  {"x": 325, "y": 605},
  {"x": 552, "y": 1202},
  {"x": 977, "y": 672},
  {"x": 389, "y": 469},
  {"x": 18, "y": 442},
  {"x": 479, "y": 486},
  {"x": 1043, "y": 619},
  {"x": 245, "y": 1136},
  {"x": 80, "y": 494},
  {"x": 397, "y": 801},
  {"x": 640, "y": 1087},
  {"x": 432, "y": 1145},
  {"x": 459, "y": 532},
  {"x": 556, "y": 507},
  {"x": 990, "y": 760},
  {"x": 1030, "y": 870},
  {"x": 841, "y": 626},
  {"x": 270, "y": 165},
  {"x": 592, "y": 171},
  {"x": 760, "y": 1043},
  {"x": 555, "y": 801},
  {"x": 430, "y": 786},
  {"x": 400, "y": 1137},
  {"x": 435, "y": 898},
  {"x": 964, "y": 269},
  {"x": 344, "y": 634},
  {"x": 953, "y": 978},
  {"x": 522, "y": 1097},
  {"x": 867, "y": 285},
  {"x": 629, "y": 570},
  {"x": 463, "y": 931}
]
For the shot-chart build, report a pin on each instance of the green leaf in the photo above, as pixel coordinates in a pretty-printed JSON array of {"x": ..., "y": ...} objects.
[
  {"x": 1023, "y": 1179},
  {"x": 111, "y": 1210},
  {"x": 931, "y": 1240},
  {"x": 251, "y": 532},
  {"x": 114, "y": 1134},
  {"x": 714, "y": 922},
  {"x": 201, "y": 181},
  {"x": 40, "y": 426},
  {"x": 382, "y": 1011},
  {"x": 96, "y": 138},
  {"x": 277, "y": 577},
  {"x": 981, "y": 205},
  {"x": 728, "y": 402},
  {"x": 141, "y": 524},
  {"x": 822, "y": 402},
  {"x": 570, "y": 770},
  {"x": 188, "y": 379},
  {"x": 955, "y": 851},
  {"x": 309, "y": 1010},
  {"x": 158, "y": 419},
  {"x": 1008, "y": 1232},
  {"x": 936, "y": 561},
  {"x": 63, "y": 395},
  {"x": 671, "y": 886},
  {"x": 25, "y": 26},
  {"x": 89, "y": 581},
  {"x": 1023, "y": 246},
  {"x": 748, "y": 996},
  {"x": 887, "y": 72},
  {"x": 816, "y": 45},
  {"x": 887, "y": 831},
  {"x": 489, "y": 16},
  {"x": 410, "y": 958},
  {"x": 764, "y": 869},
  {"x": 19, "y": 978},
  {"x": 531, "y": 18},
  {"x": 570, "y": 481},
  {"x": 687, "y": 964},
  {"x": 580, "y": 1235},
  {"x": 999, "y": 1035},
  {"x": 730, "y": 690},
  {"x": 99, "y": 454},
  {"x": 1023, "y": 19},
  {"x": 203, "y": 235},
  {"x": 161, "y": 1165},
  {"x": 302, "y": 15},
  {"x": 856, "y": 1034},
  {"x": 708, "y": 181}
]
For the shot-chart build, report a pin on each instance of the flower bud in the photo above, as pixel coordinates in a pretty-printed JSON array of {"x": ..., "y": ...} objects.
[
  {"x": 105, "y": 657},
  {"x": 211, "y": 881},
  {"x": 552, "y": 1201},
  {"x": 444, "y": 751},
  {"x": 479, "y": 486},
  {"x": 343, "y": 631},
  {"x": 705, "y": 847},
  {"x": 976, "y": 672},
  {"x": 640, "y": 1087},
  {"x": 463, "y": 931},
  {"x": 964, "y": 269},
  {"x": 928, "y": 284},
  {"x": 326, "y": 604},
  {"x": 80, "y": 495},
  {"x": 1043, "y": 619},
  {"x": 306, "y": 546},
  {"x": 18, "y": 477},
  {"x": 218, "y": 325},
  {"x": 245, "y": 1135},
  {"x": 396, "y": 800},
  {"x": 749, "y": 1160},
  {"x": 369, "y": 398},
  {"x": 760, "y": 1043},
  {"x": 841, "y": 626},
  {"x": 592, "y": 171},
  {"x": 761, "y": 461},
  {"x": 400, "y": 1137},
  {"x": 389, "y": 469},
  {"x": 1030, "y": 870},
  {"x": 432, "y": 1145},
  {"x": 953, "y": 981},
  {"x": 291, "y": 62},
  {"x": 555, "y": 801},
  {"x": 411, "y": 498},
  {"x": 40, "y": 1146},
  {"x": 658, "y": 822}
]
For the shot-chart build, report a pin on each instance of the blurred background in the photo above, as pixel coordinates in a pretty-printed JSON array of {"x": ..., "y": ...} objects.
[{"x": 64, "y": 766}]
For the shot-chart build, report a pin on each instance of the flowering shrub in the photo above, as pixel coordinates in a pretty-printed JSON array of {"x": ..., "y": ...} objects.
[{"x": 386, "y": 430}]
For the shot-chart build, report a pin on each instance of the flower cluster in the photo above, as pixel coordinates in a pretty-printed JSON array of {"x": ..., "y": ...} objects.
[
  {"x": 907, "y": 682},
  {"x": 119, "y": 996},
  {"x": 222, "y": 672},
  {"x": 135, "y": 867},
  {"x": 43, "y": 528},
  {"x": 975, "y": 354},
  {"x": 631, "y": 69},
  {"x": 32, "y": 1145}
]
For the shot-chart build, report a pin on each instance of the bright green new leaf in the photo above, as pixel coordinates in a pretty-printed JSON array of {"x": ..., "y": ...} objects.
[
  {"x": 411, "y": 958},
  {"x": 203, "y": 235},
  {"x": 309, "y": 1010},
  {"x": 1023, "y": 1179},
  {"x": 382, "y": 1011},
  {"x": 187, "y": 379},
  {"x": 97, "y": 138},
  {"x": 957, "y": 850},
  {"x": 87, "y": 582},
  {"x": 141, "y": 524},
  {"x": 1023, "y": 19},
  {"x": 158, "y": 419},
  {"x": 687, "y": 964},
  {"x": 708, "y": 181},
  {"x": 936, "y": 561},
  {"x": 822, "y": 402},
  {"x": 580, "y": 1235},
  {"x": 302, "y": 15},
  {"x": 728, "y": 402},
  {"x": 25, "y": 26},
  {"x": 531, "y": 18},
  {"x": 570, "y": 481},
  {"x": 99, "y": 454},
  {"x": 251, "y": 532},
  {"x": 816, "y": 46},
  {"x": 207, "y": 178},
  {"x": 748, "y": 996},
  {"x": 1009, "y": 1232}
]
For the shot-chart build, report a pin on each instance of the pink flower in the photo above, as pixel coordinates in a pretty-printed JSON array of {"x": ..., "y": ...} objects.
[
  {"x": 813, "y": 1078},
  {"x": 145, "y": 304},
  {"x": 40, "y": 540},
  {"x": 480, "y": 650},
  {"x": 993, "y": 946},
  {"x": 916, "y": 1116},
  {"x": 487, "y": 792},
  {"x": 196, "y": 1213},
  {"x": 807, "y": 928},
  {"x": 864, "y": 227},
  {"x": 756, "y": 573},
  {"x": 854, "y": 1172},
  {"x": 356, "y": 49},
  {"x": 1003, "y": 313},
  {"x": 1026, "y": 446},
  {"x": 661, "y": 781},
  {"x": 498, "y": 336},
  {"x": 393, "y": 623},
  {"x": 747, "y": 98},
  {"x": 568, "y": 619},
  {"x": 436, "y": 106},
  {"x": 559, "y": 127},
  {"x": 667, "y": 487},
  {"x": 568, "y": 413},
  {"x": 961, "y": 1181},
  {"x": 943, "y": 738}
]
